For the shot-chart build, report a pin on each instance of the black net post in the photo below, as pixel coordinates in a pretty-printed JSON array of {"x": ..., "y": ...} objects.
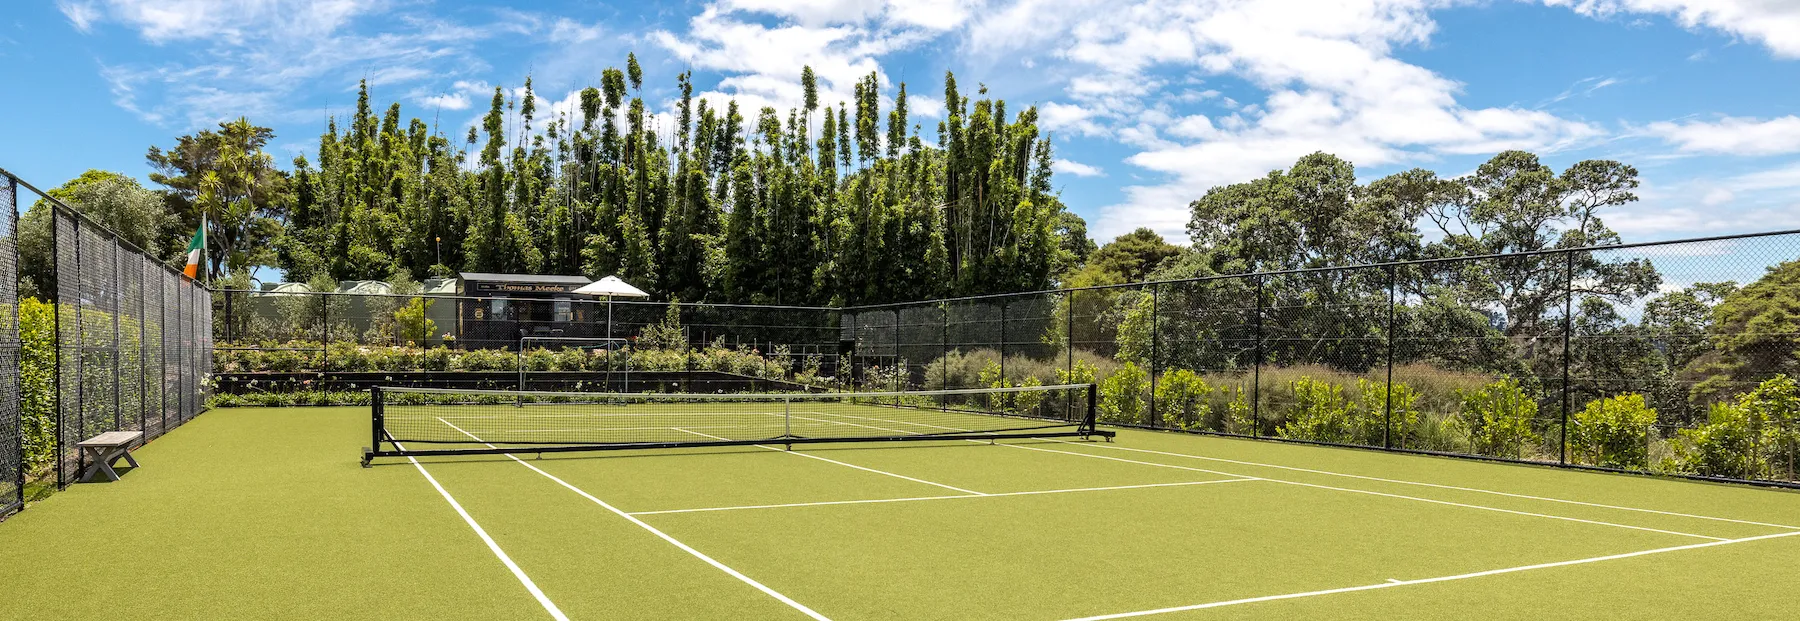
[{"x": 375, "y": 424}]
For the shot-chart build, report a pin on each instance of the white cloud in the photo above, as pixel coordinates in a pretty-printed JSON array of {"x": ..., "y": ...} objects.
[
  {"x": 447, "y": 101},
  {"x": 1326, "y": 68},
  {"x": 1782, "y": 178},
  {"x": 1773, "y": 23},
  {"x": 81, "y": 14},
  {"x": 930, "y": 14},
  {"x": 1733, "y": 135},
  {"x": 1078, "y": 169},
  {"x": 258, "y": 57},
  {"x": 567, "y": 31},
  {"x": 233, "y": 20}
]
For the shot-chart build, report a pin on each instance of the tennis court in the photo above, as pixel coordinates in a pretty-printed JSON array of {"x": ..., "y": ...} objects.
[{"x": 266, "y": 513}]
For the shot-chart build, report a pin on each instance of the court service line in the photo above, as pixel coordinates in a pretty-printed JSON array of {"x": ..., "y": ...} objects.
[
  {"x": 493, "y": 546},
  {"x": 1399, "y": 583},
  {"x": 1352, "y": 490},
  {"x": 959, "y": 496},
  {"x": 1451, "y": 487},
  {"x": 847, "y": 465},
  {"x": 661, "y": 535}
]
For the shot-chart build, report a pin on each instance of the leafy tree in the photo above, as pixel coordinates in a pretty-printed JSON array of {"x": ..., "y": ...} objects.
[
  {"x": 1131, "y": 257},
  {"x": 1755, "y": 332},
  {"x": 226, "y": 177},
  {"x": 113, "y": 200}
]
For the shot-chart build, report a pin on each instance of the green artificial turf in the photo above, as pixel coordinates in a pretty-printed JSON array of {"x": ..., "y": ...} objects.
[{"x": 265, "y": 513}]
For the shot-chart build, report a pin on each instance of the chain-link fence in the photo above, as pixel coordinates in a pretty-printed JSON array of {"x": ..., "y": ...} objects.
[
  {"x": 133, "y": 340},
  {"x": 12, "y": 436},
  {"x": 284, "y": 347},
  {"x": 1672, "y": 357},
  {"x": 1677, "y": 358}
]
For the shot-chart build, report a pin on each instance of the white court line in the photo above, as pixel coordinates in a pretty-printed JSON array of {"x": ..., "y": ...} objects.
[
  {"x": 1451, "y": 487},
  {"x": 1388, "y": 495},
  {"x": 847, "y": 465},
  {"x": 662, "y": 535},
  {"x": 549, "y": 606},
  {"x": 1349, "y": 490},
  {"x": 960, "y": 496},
  {"x": 1380, "y": 479},
  {"x": 1398, "y": 583}
]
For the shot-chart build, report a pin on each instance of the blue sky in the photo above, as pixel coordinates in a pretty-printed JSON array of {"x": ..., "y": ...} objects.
[{"x": 1151, "y": 102}]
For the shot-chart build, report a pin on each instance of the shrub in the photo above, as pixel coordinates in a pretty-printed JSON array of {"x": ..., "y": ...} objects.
[
  {"x": 1614, "y": 432},
  {"x": 539, "y": 360},
  {"x": 1499, "y": 418},
  {"x": 1122, "y": 395},
  {"x": 1181, "y": 400},
  {"x": 990, "y": 376},
  {"x": 1027, "y": 402},
  {"x": 1376, "y": 425},
  {"x": 435, "y": 359},
  {"x": 486, "y": 360},
  {"x": 1724, "y": 447},
  {"x": 1241, "y": 418},
  {"x": 414, "y": 326},
  {"x": 1319, "y": 413},
  {"x": 37, "y": 382},
  {"x": 1774, "y": 410}
]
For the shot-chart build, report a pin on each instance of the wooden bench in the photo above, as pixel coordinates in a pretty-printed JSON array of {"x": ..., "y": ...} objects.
[{"x": 103, "y": 450}]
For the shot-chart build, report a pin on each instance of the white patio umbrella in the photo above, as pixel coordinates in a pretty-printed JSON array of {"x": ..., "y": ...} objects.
[{"x": 611, "y": 287}]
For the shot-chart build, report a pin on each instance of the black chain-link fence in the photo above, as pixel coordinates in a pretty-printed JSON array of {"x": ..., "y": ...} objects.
[
  {"x": 286, "y": 347},
  {"x": 133, "y": 340},
  {"x": 1672, "y": 357},
  {"x": 12, "y": 436},
  {"x": 1677, "y": 358}
]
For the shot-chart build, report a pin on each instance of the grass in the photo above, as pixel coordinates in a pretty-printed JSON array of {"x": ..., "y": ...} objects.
[{"x": 264, "y": 513}]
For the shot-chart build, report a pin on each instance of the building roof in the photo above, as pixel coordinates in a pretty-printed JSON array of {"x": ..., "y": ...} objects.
[{"x": 526, "y": 278}]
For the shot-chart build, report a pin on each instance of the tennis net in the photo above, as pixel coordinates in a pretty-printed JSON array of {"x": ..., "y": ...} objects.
[{"x": 432, "y": 421}]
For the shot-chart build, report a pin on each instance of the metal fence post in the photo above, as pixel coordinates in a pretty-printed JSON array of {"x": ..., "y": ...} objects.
[
  {"x": 899, "y": 362},
  {"x": 1155, "y": 299},
  {"x": 1003, "y": 344},
  {"x": 1256, "y": 372},
  {"x": 324, "y": 332},
  {"x": 1568, "y": 326},
  {"x": 1069, "y": 344},
  {"x": 1387, "y": 423},
  {"x": 118, "y": 357},
  {"x": 944, "y": 361}
]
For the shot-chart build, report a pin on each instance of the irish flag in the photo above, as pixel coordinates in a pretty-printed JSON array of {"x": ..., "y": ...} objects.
[{"x": 195, "y": 249}]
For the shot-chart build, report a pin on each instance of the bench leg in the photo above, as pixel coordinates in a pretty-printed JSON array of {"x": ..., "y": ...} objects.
[{"x": 102, "y": 464}]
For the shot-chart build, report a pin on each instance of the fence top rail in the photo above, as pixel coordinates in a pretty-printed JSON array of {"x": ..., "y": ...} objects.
[
  {"x": 594, "y": 300},
  {"x": 1334, "y": 268},
  {"x": 78, "y": 215}
]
